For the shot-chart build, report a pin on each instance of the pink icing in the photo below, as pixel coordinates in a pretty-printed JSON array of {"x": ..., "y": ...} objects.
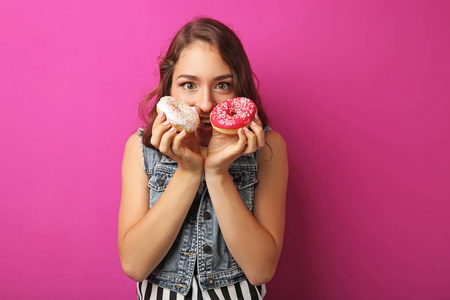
[{"x": 233, "y": 113}]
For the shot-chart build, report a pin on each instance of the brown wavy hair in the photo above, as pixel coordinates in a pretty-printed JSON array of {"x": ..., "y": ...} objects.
[{"x": 230, "y": 49}]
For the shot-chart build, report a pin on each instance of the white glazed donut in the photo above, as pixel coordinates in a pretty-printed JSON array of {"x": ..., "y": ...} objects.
[{"x": 180, "y": 114}]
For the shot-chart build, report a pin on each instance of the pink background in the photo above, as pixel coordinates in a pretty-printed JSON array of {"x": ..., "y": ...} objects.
[{"x": 359, "y": 89}]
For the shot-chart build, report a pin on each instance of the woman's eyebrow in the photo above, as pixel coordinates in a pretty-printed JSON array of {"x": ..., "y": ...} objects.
[
  {"x": 221, "y": 77},
  {"x": 192, "y": 77}
]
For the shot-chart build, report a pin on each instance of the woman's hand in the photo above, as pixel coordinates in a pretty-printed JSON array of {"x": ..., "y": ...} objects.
[
  {"x": 181, "y": 147},
  {"x": 224, "y": 149}
]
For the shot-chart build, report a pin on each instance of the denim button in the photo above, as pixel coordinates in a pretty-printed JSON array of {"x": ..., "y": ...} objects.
[
  {"x": 206, "y": 215},
  {"x": 207, "y": 249},
  {"x": 210, "y": 281},
  {"x": 160, "y": 181}
]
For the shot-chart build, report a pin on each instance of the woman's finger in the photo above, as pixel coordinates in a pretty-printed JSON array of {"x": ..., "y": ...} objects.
[
  {"x": 165, "y": 147},
  {"x": 242, "y": 142},
  {"x": 251, "y": 141},
  {"x": 158, "y": 131},
  {"x": 160, "y": 118},
  {"x": 259, "y": 133},
  {"x": 257, "y": 120},
  {"x": 176, "y": 144}
]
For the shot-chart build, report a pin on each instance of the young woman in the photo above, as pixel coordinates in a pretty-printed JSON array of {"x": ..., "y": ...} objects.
[{"x": 202, "y": 214}]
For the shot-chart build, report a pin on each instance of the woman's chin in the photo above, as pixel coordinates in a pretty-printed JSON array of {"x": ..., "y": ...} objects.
[
  {"x": 203, "y": 139},
  {"x": 203, "y": 134}
]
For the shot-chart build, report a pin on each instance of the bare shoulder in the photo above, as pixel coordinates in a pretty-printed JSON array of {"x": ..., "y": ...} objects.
[
  {"x": 133, "y": 149},
  {"x": 134, "y": 143},
  {"x": 270, "y": 192},
  {"x": 274, "y": 149},
  {"x": 134, "y": 196},
  {"x": 132, "y": 157}
]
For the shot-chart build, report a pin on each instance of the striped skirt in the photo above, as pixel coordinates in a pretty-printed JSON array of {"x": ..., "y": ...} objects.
[{"x": 243, "y": 290}]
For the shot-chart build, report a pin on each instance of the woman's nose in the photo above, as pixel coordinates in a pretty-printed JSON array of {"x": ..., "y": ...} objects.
[{"x": 205, "y": 101}]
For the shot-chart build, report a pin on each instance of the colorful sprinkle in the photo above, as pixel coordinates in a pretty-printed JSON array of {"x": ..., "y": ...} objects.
[
  {"x": 179, "y": 113},
  {"x": 233, "y": 113}
]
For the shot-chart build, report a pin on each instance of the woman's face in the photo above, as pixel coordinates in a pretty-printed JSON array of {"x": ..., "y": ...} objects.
[{"x": 201, "y": 78}]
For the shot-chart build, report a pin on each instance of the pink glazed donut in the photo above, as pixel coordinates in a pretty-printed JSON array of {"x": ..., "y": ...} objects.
[{"x": 232, "y": 114}]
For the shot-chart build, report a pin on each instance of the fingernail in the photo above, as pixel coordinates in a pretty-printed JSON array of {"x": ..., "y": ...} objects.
[
  {"x": 167, "y": 122},
  {"x": 246, "y": 129},
  {"x": 161, "y": 115},
  {"x": 256, "y": 116},
  {"x": 253, "y": 123},
  {"x": 182, "y": 132},
  {"x": 172, "y": 129}
]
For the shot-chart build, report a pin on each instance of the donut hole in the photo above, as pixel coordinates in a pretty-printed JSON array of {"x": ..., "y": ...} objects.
[{"x": 232, "y": 112}]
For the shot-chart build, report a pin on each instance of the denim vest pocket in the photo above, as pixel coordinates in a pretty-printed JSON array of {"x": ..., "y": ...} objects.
[
  {"x": 158, "y": 181},
  {"x": 245, "y": 181}
]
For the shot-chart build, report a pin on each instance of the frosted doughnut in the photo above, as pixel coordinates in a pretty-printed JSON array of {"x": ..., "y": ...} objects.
[
  {"x": 232, "y": 114},
  {"x": 180, "y": 114}
]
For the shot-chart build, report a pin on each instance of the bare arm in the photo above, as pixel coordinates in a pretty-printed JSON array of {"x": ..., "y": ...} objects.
[
  {"x": 145, "y": 236},
  {"x": 255, "y": 241}
]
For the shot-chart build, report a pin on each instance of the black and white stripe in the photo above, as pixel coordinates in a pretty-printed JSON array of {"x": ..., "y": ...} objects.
[{"x": 243, "y": 290}]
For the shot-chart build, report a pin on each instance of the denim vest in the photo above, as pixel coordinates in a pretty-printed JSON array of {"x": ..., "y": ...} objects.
[{"x": 200, "y": 240}]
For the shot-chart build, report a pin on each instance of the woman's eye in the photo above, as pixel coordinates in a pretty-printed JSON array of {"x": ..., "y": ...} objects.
[
  {"x": 189, "y": 85},
  {"x": 223, "y": 86}
]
